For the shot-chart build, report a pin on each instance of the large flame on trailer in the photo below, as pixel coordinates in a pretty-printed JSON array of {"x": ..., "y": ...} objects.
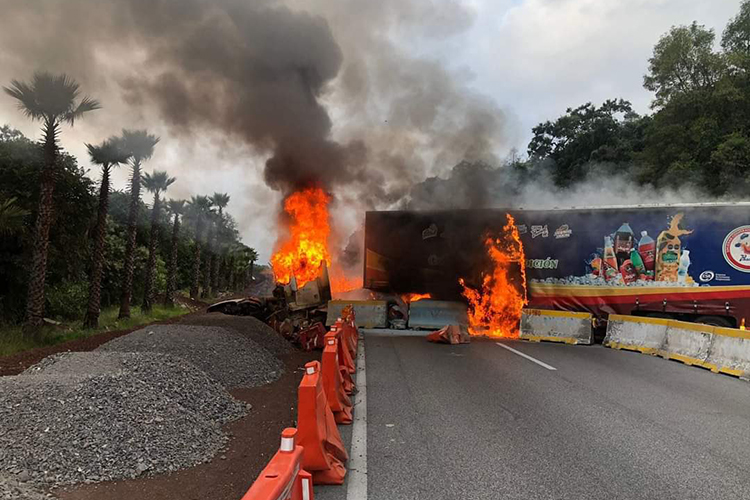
[
  {"x": 495, "y": 309},
  {"x": 306, "y": 247},
  {"x": 415, "y": 297}
]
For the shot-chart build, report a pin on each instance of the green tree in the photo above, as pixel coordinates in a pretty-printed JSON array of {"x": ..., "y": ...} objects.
[
  {"x": 140, "y": 146},
  {"x": 683, "y": 61},
  {"x": 587, "y": 136},
  {"x": 176, "y": 208},
  {"x": 108, "y": 154},
  {"x": 736, "y": 36},
  {"x": 198, "y": 209},
  {"x": 53, "y": 100},
  {"x": 155, "y": 183}
]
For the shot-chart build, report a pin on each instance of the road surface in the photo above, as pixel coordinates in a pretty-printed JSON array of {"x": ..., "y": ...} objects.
[{"x": 480, "y": 421}]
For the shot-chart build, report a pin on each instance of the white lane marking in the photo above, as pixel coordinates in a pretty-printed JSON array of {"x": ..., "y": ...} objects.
[
  {"x": 357, "y": 486},
  {"x": 540, "y": 363}
]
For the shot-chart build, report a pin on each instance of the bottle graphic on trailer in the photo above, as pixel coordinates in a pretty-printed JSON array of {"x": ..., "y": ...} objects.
[
  {"x": 640, "y": 267},
  {"x": 624, "y": 243},
  {"x": 683, "y": 267},
  {"x": 627, "y": 269},
  {"x": 609, "y": 260},
  {"x": 647, "y": 250}
]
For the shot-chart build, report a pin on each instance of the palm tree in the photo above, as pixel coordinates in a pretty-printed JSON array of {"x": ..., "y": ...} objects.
[
  {"x": 51, "y": 99},
  {"x": 220, "y": 200},
  {"x": 176, "y": 208},
  {"x": 199, "y": 208},
  {"x": 11, "y": 217},
  {"x": 211, "y": 221},
  {"x": 108, "y": 154},
  {"x": 140, "y": 145},
  {"x": 155, "y": 183}
]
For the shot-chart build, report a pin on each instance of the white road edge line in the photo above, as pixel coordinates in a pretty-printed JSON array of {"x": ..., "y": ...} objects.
[
  {"x": 540, "y": 363},
  {"x": 357, "y": 485}
]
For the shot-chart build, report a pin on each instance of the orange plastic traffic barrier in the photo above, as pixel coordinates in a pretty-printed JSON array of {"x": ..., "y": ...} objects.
[
  {"x": 346, "y": 375},
  {"x": 333, "y": 384},
  {"x": 348, "y": 335},
  {"x": 325, "y": 454},
  {"x": 350, "y": 318},
  {"x": 283, "y": 478},
  {"x": 345, "y": 356}
]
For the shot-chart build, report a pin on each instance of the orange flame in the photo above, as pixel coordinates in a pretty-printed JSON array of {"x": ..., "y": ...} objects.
[
  {"x": 415, "y": 297},
  {"x": 306, "y": 248},
  {"x": 495, "y": 310},
  {"x": 341, "y": 283}
]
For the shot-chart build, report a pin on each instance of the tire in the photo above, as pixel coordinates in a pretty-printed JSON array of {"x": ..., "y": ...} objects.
[{"x": 715, "y": 321}]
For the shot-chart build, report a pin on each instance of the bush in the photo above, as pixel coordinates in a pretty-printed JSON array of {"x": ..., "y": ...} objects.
[{"x": 67, "y": 300}]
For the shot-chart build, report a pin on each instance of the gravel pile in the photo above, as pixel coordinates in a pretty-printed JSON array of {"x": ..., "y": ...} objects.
[
  {"x": 98, "y": 416},
  {"x": 248, "y": 326},
  {"x": 13, "y": 489},
  {"x": 230, "y": 358}
]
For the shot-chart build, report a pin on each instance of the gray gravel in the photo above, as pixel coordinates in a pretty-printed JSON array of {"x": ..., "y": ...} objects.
[
  {"x": 12, "y": 489},
  {"x": 231, "y": 359},
  {"x": 131, "y": 414},
  {"x": 247, "y": 326}
]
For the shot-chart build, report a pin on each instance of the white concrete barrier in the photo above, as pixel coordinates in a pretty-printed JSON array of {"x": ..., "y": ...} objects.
[
  {"x": 721, "y": 350},
  {"x": 689, "y": 343},
  {"x": 636, "y": 333},
  {"x": 556, "y": 326},
  {"x": 730, "y": 351},
  {"x": 367, "y": 313}
]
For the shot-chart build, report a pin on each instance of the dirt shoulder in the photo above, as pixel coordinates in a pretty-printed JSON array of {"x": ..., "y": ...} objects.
[{"x": 253, "y": 439}]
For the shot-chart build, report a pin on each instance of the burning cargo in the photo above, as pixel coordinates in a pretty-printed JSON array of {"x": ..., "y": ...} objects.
[{"x": 587, "y": 259}]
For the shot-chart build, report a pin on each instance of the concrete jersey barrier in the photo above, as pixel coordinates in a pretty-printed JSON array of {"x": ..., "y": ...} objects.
[
  {"x": 435, "y": 314},
  {"x": 730, "y": 352},
  {"x": 689, "y": 343},
  {"x": 635, "y": 333},
  {"x": 367, "y": 313},
  {"x": 556, "y": 326},
  {"x": 721, "y": 350}
]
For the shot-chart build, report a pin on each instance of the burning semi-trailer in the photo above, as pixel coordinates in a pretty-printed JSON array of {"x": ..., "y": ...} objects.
[{"x": 689, "y": 262}]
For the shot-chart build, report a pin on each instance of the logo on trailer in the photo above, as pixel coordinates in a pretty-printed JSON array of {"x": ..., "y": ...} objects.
[
  {"x": 707, "y": 276},
  {"x": 522, "y": 229},
  {"x": 736, "y": 248},
  {"x": 539, "y": 231},
  {"x": 563, "y": 231}
]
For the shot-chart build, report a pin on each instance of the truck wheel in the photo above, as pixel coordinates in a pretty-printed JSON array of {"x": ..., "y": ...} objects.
[{"x": 715, "y": 321}]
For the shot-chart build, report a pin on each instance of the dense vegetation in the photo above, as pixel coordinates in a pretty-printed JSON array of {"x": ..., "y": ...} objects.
[
  {"x": 72, "y": 237},
  {"x": 698, "y": 134}
]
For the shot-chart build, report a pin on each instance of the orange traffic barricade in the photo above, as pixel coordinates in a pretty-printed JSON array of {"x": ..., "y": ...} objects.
[
  {"x": 345, "y": 361},
  {"x": 283, "y": 478},
  {"x": 325, "y": 454},
  {"x": 345, "y": 356},
  {"x": 333, "y": 384}
]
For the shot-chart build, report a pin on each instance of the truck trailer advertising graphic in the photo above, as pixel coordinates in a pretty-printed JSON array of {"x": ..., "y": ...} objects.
[{"x": 691, "y": 262}]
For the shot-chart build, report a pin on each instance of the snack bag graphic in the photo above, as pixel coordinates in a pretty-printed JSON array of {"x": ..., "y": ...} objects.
[{"x": 669, "y": 250}]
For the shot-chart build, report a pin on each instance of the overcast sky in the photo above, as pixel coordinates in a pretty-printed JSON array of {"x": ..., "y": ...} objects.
[{"x": 534, "y": 58}]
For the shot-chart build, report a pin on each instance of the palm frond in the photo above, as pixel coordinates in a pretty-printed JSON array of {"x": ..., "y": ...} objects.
[
  {"x": 176, "y": 207},
  {"x": 87, "y": 104},
  {"x": 51, "y": 98},
  {"x": 11, "y": 217},
  {"x": 221, "y": 200},
  {"x": 108, "y": 153},
  {"x": 139, "y": 143},
  {"x": 158, "y": 181}
]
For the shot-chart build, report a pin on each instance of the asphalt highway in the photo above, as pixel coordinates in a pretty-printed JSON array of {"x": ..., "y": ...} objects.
[{"x": 480, "y": 421}]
